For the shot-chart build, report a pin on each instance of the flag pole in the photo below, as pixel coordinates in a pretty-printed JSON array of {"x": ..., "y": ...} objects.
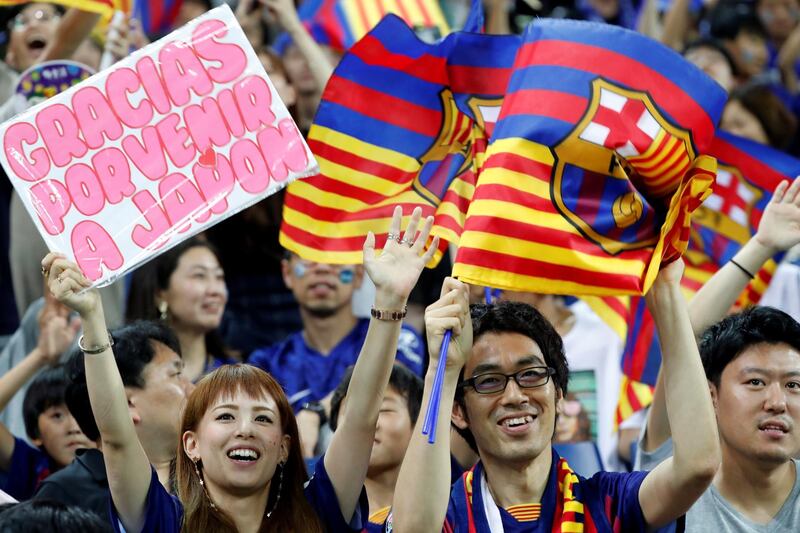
[{"x": 432, "y": 414}]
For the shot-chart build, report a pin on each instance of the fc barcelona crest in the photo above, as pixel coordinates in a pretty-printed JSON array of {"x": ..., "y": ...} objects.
[
  {"x": 615, "y": 171},
  {"x": 461, "y": 143},
  {"x": 729, "y": 209}
]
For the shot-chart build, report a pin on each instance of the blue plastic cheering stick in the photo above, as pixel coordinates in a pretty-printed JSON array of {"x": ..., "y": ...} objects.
[{"x": 432, "y": 414}]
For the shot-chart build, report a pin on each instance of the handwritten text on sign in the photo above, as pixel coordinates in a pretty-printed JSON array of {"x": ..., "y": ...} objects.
[{"x": 175, "y": 138}]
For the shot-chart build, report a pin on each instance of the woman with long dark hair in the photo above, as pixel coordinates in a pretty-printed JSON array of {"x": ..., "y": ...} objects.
[
  {"x": 185, "y": 288},
  {"x": 239, "y": 460}
]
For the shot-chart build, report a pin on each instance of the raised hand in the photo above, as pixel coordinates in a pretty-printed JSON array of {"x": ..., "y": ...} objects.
[
  {"x": 396, "y": 269},
  {"x": 450, "y": 312},
  {"x": 779, "y": 228},
  {"x": 284, "y": 12},
  {"x": 69, "y": 285},
  {"x": 56, "y": 330}
]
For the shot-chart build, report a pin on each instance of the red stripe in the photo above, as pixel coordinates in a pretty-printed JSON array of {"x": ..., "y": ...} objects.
[
  {"x": 355, "y": 161},
  {"x": 609, "y": 64},
  {"x": 518, "y": 163},
  {"x": 478, "y": 80},
  {"x": 383, "y": 107},
  {"x": 342, "y": 244},
  {"x": 432, "y": 69},
  {"x": 347, "y": 190},
  {"x": 529, "y": 267},
  {"x": 425, "y": 67},
  {"x": 554, "y": 104},
  {"x": 448, "y": 222},
  {"x": 755, "y": 171},
  {"x": 332, "y": 215},
  {"x": 382, "y": 8}
]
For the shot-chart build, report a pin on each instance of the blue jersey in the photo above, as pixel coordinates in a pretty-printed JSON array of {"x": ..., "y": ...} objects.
[
  {"x": 164, "y": 512},
  {"x": 29, "y": 467},
  {"x": 608, "y": 502},
  {"x": 308, "y": 376}
]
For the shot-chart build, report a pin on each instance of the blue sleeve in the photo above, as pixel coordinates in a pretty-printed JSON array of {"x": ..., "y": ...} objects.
[
  {"x": 262, "y": 358},
  {"x": 322, "y": 497},
  {"x": 163, "y": 511},
  {"x": 28, "y": 467},
  {"x": 620, "y": 496},
  {"x": 410, "y": 350}
]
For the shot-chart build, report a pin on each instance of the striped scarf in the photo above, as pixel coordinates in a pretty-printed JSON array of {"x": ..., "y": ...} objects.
[{"x": 562, "y": 507}]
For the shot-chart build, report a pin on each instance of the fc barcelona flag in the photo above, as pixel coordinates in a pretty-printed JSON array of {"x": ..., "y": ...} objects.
[
  {"x": 400, "y": 122},
  {"x": 341, "y": 23},
  {"x": 594, "y": 167},
  {"x": 747, "y": 175},
  {"x": 104, "y": 7}
]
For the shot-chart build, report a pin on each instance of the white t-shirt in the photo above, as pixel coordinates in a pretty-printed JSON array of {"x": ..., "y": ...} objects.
[{"x": 594, "y": 352}]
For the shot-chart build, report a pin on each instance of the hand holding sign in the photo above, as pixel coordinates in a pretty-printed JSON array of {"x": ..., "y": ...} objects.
[{"x": 175, "y": 138}]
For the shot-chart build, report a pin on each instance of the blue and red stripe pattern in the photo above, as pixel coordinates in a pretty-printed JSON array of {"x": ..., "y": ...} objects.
[{"x": 401, "y": 122}]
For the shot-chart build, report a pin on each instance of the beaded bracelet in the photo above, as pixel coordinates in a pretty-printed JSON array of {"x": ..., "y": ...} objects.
[{"x": 387, "y": 314}]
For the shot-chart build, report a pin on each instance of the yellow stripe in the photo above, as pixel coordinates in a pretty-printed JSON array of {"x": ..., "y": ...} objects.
[
  {"x": 450, "y": 209},
  {"x": 509, "y": 211},
  {"x": 522, "y": 147},
  {"x": 354, "y": 257},
  {"x": 651, "y": 160},
  {"x": 519, "y": 282},
  {"x": 379, "y": 516},
  {"x": 608, "y": 315},
  {"x": 571, "y": 527},
  {"x": 517, "y": 180},
  {"x": 357, "y": 178},
  {"x": 555, "y": 255},
  {"x": 573, "y": 506},
  {"x": 363, "y": 149},
  {"x": 336, "y": 230}
]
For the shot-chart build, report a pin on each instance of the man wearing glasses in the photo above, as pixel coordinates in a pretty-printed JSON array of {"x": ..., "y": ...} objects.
[{"x": 505, "y": 391}]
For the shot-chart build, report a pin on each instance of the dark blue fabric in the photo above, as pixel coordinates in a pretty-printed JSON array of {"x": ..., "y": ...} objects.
[
  {"x": 9, "y": 316},
  {"x": 29, "y": 467},
  {"x": 164, "y": 512},
  {"x": 306, "y": 375}
]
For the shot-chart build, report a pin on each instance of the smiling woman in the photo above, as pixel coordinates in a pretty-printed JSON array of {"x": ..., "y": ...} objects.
[{"x": 185, "y": 287}]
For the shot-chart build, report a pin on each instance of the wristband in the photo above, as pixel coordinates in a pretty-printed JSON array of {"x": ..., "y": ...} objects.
[
  {"x": 743, "y": 269},
  {"x": 388, "y": 314},
  {"x": 94, "y": 350},
  {"x": 318, "y": 409}
]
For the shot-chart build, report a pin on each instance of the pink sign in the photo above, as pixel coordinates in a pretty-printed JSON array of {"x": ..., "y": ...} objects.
[{"x": 169, "y": 141}]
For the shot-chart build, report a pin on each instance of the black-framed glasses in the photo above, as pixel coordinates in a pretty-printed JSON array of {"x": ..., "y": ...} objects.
[{"x": 494, "y": 382}]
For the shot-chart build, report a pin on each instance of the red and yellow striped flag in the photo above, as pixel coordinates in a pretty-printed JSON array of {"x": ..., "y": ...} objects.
[{"x": 401, "y": 122}]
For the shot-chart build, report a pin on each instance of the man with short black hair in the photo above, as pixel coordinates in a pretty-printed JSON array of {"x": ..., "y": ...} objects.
[
  {"x": 148, "y": 357},
  {"x": 507, "y": 386}
]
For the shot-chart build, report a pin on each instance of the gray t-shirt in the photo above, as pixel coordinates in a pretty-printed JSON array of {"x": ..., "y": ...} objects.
[{"x": 713, "y": 513}]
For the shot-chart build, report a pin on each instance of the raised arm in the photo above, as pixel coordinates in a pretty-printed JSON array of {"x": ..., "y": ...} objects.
[
  {"x": 394, "y": 272},
  {"x": 56, "y": 333},
  {"x": 75, "y": 26},
  {"x": 778, "y": 230},
  {"x": 127, "y": 466},
  {"x": 423, "y": 486},
  {"x": 671, "y": 489},
  {"x": 319, "y": 63}
]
